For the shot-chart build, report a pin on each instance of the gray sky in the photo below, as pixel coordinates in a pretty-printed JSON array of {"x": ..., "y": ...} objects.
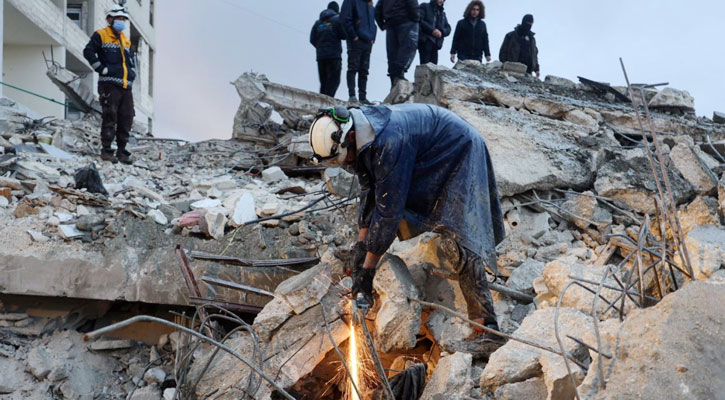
[{"x": 202, "y": 46}]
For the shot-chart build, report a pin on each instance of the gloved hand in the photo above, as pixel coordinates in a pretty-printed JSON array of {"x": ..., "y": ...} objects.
[{"x": 362, "y": 283}]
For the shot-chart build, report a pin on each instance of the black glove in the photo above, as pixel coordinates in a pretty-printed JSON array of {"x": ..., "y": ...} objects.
[{"x": 362, "y": 283}]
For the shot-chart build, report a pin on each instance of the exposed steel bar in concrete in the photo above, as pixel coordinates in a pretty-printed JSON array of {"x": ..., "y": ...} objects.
[{"x": 146, "y": 318}]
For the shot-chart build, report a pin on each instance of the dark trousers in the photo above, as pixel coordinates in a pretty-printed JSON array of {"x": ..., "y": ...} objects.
[
  {"x": 428, "y": 52},
  {"x": 358, "y": 63},
  {"x": 329, "y": 71},
  {"x": 464, "y": 57},
  {"x": 118, "y": 112},
  {"x": 401, "y": 42}
]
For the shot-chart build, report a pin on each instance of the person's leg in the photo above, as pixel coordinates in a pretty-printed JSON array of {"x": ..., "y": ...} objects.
[
  {"x": 391, "y": 45},
  {"x": 423, "y": 51},
  {"x": 474, "y": 285},
  {"x": 434, "y": 53},
  {"x": 321, "y": 74},
  {"x": 125, "y": 121},
  {"x": 353, "y": 65},
  {"x": 407, "y": 46},
  {"x": 334, "y": 72},
  {"x": 364, "y": 69},
  {"x": 110, "y": 98}
]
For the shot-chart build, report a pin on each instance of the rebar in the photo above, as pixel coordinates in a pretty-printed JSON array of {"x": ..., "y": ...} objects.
[{"x": 147, "y": 318}]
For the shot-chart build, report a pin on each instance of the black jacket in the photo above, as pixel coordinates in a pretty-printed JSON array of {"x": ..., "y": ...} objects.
[
  {"x": 471, "y": 41},
  {"x": 358, "y": 19},
  {"x": 511, "y": 49},
  {"x": 396, "y": 12},
  {"x": 327, "y": 35},
  {"x": 106, "y": 49},
  {"x": 433, "y": 17}
]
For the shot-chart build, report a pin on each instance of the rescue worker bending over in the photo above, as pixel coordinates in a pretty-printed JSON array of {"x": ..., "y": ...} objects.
[
  {"x": 109, "y": 54},
  {"x": 421, "y": 169}
]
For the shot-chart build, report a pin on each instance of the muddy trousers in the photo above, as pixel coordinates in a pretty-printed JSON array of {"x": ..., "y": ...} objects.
[
  {"x": 118, "y": 111},
  {"x": 472, "y": 280},
  {"x": 329, "y": 71}
]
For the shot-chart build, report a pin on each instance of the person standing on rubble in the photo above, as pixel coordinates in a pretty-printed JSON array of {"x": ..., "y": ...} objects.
[
  {"x": 109, "y": 53},
  {"x": 358, "y": 21},
  {"x": 434, "y": 27},
  {"x": 470, "y": 40},
  {"x": 327, "y": 35},
  {"x": 400, "y": 18},
  {"x": 422, "y": 169},
  {"x": 519, "y": 45}
]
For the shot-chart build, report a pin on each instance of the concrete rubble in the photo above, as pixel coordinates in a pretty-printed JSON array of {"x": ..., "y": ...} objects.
[{"x": 576, "y": 186}]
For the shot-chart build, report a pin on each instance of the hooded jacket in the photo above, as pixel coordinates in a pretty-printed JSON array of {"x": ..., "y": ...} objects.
[
  {"x": 327, "y": 35},
  {"x": 511, "y": 49},
  {"x": 358, "y": 20},
  {"x": 433, "y": 17},
  {"x": 469, "y": 40},
  {"x": 106, "y": 49},
  {"x": 425, "y": 164},
  {"x": 396, "y": 12}
]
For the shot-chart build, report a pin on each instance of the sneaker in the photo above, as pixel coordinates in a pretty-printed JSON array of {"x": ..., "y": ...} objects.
[
  {"x": 124, "y": 157},
  {"x": 352, "y": 99},
  {"x": 365, "y": 101},
  {"x": 107, "y": 155}
]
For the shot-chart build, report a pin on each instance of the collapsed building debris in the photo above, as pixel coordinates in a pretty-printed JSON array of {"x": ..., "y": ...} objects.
[{"x": 609, "y": 224}]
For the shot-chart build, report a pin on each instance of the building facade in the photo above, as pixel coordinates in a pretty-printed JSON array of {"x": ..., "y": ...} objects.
[{"x": 37, "y": 32}]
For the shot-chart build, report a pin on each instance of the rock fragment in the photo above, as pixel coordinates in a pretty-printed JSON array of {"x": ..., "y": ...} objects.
[
  {"x": 451, "y": 378},
  {"x": 398, "y": 321}
]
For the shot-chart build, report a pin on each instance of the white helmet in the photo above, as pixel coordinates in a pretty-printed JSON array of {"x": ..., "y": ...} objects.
[
  {"x": 328, "y": 131},
  {"x": 117, "y": 11}
]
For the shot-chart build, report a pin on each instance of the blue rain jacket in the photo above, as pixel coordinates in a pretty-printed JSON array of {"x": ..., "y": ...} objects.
[{"x": 428, "y": 166}]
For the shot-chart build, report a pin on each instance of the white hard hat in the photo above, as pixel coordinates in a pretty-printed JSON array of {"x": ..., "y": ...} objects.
[
  {"x": 327, "y": 133},
  {"x": 117, "y": 11}
]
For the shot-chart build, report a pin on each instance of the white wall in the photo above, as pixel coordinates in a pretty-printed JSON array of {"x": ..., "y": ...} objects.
[{"x": 23, "y": 66}]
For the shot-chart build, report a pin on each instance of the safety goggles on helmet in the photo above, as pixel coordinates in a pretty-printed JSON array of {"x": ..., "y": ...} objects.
[
  {"x": 117, "y": 11},
  {"x": 328, "y": 132}
]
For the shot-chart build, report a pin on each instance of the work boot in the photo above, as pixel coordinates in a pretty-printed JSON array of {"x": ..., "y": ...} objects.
[
  {"x": 479, "y": 345},
  {"x": 107, "y": 155},
  {"x": 352, "y": 99},
  {"x": 124, "y": 157}
]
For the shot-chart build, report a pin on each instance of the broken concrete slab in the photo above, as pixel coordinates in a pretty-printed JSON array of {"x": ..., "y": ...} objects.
[
  {"x": 341, "y": 183},
  {"x": 206, "y": 204},
  {"x": 673, "y": 99},
  {"x": 306, "y": 289},
  {"x": 243, "y": 210},
  {"x": 398, "y": 321},
  {"x": 402, "y": 92},
  {"x": 517, "y": 362},
  {"x": 696, "y": 166},
  {"x": 688, "y": 362},
  {"x": 515, "y": 68},
  {"x": 630, "y": 181},
  {"x": 522, "y": 278},
  {"x": 583, "y": 209},
  {"x": 556, "y": 276},
  {"x": 701, "y": 211},
  {"x": 718, "y": 117},
  {"x": 526, "y": 152},
  {"x": 558, "y": 81},
  {"x": 451, "y": 378},
  {"x": 532, "y": 389},
  {"x": 103, "y": 345},
  {"x": 706, "y": 248}
]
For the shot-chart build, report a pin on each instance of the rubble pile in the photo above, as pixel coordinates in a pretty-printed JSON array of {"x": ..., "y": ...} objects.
[{"x": 591, "y": 268}]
